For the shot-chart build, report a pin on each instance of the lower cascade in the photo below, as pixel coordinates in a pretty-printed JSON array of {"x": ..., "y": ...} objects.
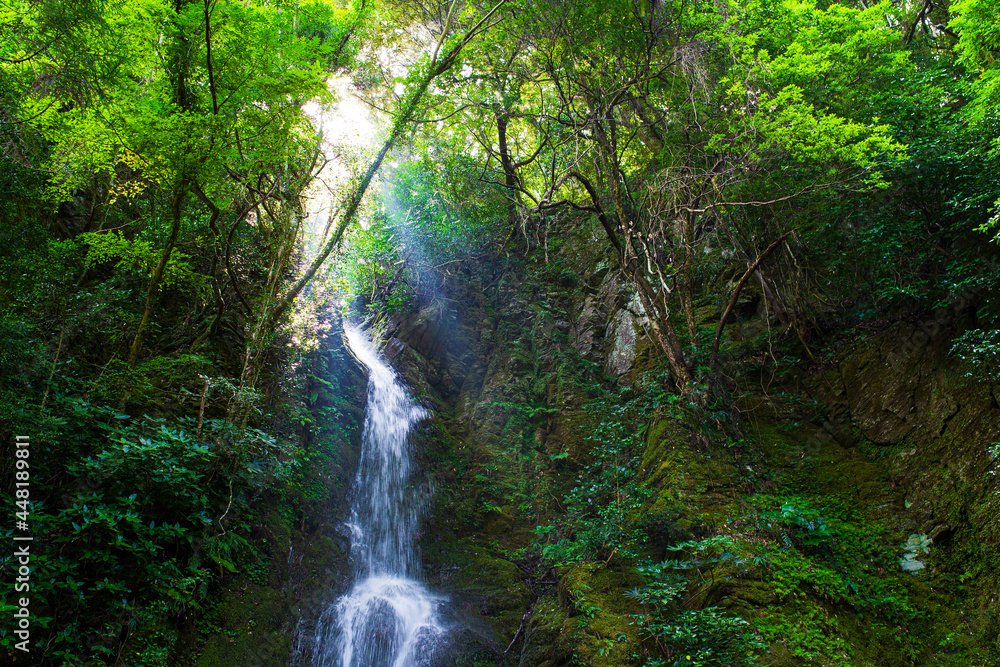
[{"x": 388, "y": 618}]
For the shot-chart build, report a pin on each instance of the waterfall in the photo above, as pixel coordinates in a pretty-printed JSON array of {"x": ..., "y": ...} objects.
[{"x": 388, "y": 618}]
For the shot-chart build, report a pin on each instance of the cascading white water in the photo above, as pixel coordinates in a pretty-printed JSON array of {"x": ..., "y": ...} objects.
[{"x": 387, "y": 619}]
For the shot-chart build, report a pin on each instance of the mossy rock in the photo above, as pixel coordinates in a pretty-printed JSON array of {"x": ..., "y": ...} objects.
[
  {"x": 479, "y": 582},
  {"x": 600, "y": 614},
  {"x": 256, "y": 621},
  {"x": 322, "y": 562},
  {"x": 707, "y": 315},
  {"x": 682, "y": 473},
  {"x": 547, "y": 641},
  {"x": 568, "y": 434}
]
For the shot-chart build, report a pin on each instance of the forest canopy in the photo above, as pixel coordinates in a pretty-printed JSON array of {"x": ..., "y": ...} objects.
[{"x": 158, "y": 304}]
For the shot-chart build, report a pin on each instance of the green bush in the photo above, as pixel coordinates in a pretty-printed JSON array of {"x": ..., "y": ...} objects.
[{"x": 703, "y": 638}]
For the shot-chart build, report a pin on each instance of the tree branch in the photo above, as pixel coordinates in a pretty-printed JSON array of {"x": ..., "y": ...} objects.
[{"x": 714, "y": 359}]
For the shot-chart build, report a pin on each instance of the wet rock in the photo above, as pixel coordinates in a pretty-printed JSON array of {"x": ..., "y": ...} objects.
[
  {"x": 393, "y": 348},
  {"x": 424, "y": 332}
]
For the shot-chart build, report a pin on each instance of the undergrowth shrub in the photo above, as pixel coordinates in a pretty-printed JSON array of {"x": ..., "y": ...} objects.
[
  {"x": 701, "y": 637},
  {"x": 152, "y": 516}
]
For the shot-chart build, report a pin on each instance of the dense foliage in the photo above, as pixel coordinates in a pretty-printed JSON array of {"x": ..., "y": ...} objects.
[
  {"x": 155, "y": 159},
  {"x": 839, "y": 159},
  {"x": 852, "y": 149}
]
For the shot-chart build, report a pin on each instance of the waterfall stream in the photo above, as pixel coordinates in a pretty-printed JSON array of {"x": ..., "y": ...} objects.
[{"x": 387, "y": 618}]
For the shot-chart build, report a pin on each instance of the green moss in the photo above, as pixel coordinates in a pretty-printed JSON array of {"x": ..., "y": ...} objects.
[
  {"x": 548, "y": 635},
  {"x": 492, "y": 586},
  {"x": 255, "y": 621},
  {"x": 604, "y": 632}
]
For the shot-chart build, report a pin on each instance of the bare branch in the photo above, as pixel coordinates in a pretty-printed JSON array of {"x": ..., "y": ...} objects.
[{"x": 714, "y": 359}]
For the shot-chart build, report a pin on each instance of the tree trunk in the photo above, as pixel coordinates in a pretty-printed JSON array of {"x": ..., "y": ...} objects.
[
  {"x": 509, "y": 174},
  {"x": 664, "y": 332},
  {"x": 152, "y": 292}
]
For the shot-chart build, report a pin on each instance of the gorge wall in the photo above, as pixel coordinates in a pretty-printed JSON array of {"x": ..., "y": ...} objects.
[{"x": 819, "y": 476}]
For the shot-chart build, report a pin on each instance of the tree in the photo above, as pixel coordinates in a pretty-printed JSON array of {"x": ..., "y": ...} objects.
[
  {"x": 664, "y": 120},
  {"x": 978, "y": 49}
]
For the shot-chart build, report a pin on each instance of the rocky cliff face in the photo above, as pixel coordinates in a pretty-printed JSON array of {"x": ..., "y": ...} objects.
[
  {"x": 818, "y": 474},
  {"x": 932, "y": 427}
]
